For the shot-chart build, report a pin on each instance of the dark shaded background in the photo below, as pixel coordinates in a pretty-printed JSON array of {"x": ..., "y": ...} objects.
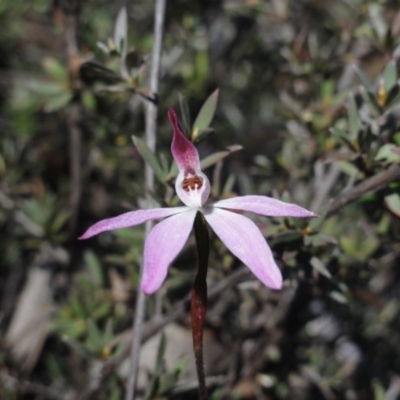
[{"x": 309, "y": 89}]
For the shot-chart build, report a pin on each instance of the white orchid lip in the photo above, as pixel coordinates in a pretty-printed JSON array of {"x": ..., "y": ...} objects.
[
  {"x": 192, "y": 182},
  {"x": 193, "y": 188}
]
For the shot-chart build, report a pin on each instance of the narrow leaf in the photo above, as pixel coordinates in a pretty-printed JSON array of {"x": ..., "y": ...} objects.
[
  {"x": 121, "y": 31},
  {"x": 389, "y": 153},
  {"x": 91, "y": 72},
  {"x": 229, "y": 183},
  {"x": 390, "y": 75},
  {"x": 364, "y": 79},
  {"x": 55, "y": 69},
  {"x": 342, "y": 136},
  {"x": 149, "y": 157},
  {"x": 155, "y": 381},
  {"x": 103, "y": 47},
  {"x": 94, "y": 265},
  {"x": 392, "y": 96},
  {"x": 184, "y": 113},
  {"x": 353, "y": 118},
  {"x": 160, "y": 355},
  {"x": 371, "y": 99},
  {"x": 393, "y": 203},
  {"x": 206, "y": 114},
  {"x": 337, "y": 296},
  {"x": 320, "y": 267},
  {"x": 218, "y": 156},
  {"x": 58, "y": 102}
]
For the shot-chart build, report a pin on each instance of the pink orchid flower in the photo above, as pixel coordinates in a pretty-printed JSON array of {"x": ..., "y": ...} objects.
[{"x": 240, "y": 235}]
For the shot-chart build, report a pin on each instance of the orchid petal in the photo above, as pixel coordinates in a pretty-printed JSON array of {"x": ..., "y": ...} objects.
[
  {"x": 183, "y": 150},
  {"x": 131, "y": 218},
  {"x": 242, "y": 237},
  {"x": 264, "y": 206},
  {"x": 162, "y": 245}
]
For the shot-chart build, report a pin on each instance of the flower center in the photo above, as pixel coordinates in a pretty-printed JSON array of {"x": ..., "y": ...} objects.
[{"x": 192, "y": 183}]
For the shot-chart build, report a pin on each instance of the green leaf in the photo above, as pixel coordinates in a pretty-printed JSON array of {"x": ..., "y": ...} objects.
[
  {"x": 288, "y": 237},
  {"x": 76, "y": 345},
  {"x": 379, "y": 390},
  {"x": 320, "y": 267},
  {"x": 103, "y": 47},
  {"x": 359, "y": 243},
  {"x": 108, "y": 332},
  {"x": 160, "y": 354},
  {"x": 206, "y": 114},
  {"x": 342, "y": 136},
  {"x": 392, "y": 97},
  {"x": 229, "y": 183},
  {"x": 396, "y": 138},
  {"x": 94, "y": 265},
  {"x": 170, "y": 379},
  {"x": 372, "y": 101},
  {"x": 316, "y": 223},
  {"x": 390, "y": 75},
  {"x": 152, "y": 388},
  {"x": 185, "y": 114},
  {"x": 95, "y": 337},
  {"x": 91, "y": 73},
  {"x": 121, "y": 31},
  {"x": 59, "y": 220},
  {"x": 353, "y": 118},
  {"x": 76, "y": 307},
  {"x": 337, "y": 296},
  {"x": 58, "y": 102},
  {"x": 393, "y": 203},
  {"x": 55, "y": 69},
  {"x": 46, "y": 88},
  {"x": 135, "y": 64},
  {"x": 219, "y": 155},
  {"x": 364, "y": 79},
  {"x": 388, "y": 153},
  {"x": 346, "y": 167},
  {"x": 150, "y": 158},
  {"x": 203, "y": 134}
]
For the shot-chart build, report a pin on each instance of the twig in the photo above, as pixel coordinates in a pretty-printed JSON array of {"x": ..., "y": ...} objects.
[
  {"x": 70, "y": 9},
  {"x": 151, "y": 121},
  {"x": 324, "y": 184},
  {"x": 372, "y": 184}
]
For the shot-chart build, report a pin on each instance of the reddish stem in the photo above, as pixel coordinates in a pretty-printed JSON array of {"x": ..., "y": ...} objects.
[{"x": 199, "y": 300}]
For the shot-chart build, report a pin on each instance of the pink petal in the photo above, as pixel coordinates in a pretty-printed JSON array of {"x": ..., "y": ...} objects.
[
  {"x": 185, "y": 153},
  {"x": 265, "y": 206},
  {"x": 162, "y": 245},
  {"x": 131, "y": 218},
  {"x": 242, "y": 237}
]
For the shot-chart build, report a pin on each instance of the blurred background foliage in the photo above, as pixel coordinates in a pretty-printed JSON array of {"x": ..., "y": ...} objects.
[{"x": 309, "y": 89}]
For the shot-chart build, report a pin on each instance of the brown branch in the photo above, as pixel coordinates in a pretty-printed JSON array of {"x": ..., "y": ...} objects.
[
  {"x": 70, "y": 14},
  {"x": 372, "y": 184},
  {"x": 151, "y": 127}
]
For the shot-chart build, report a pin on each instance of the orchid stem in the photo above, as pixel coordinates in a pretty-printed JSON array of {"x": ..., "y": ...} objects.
[
  {"x": 199, "y": 300},
  {"x": 151, "y": 124}
]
